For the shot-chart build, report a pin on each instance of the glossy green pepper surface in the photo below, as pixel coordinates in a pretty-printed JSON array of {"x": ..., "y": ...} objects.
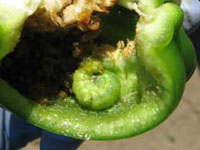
[{"x": 119, "y": 91}]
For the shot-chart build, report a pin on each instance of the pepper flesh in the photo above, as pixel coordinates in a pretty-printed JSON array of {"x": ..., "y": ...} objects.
[
  {"x": 11, "y": 22},
  {"x": 151, "y": 72}
]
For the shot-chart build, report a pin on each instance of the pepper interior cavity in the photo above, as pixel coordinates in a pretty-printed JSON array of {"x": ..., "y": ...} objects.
[{"x": 112, "y": 92}]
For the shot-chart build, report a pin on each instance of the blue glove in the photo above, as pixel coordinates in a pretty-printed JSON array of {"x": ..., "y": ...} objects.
[
  {"x": 15, "y": 133},
  {"x": 192, "y": 14}
]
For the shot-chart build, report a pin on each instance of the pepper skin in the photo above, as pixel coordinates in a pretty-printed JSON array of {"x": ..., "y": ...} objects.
[{"x": 150, "y": 74}]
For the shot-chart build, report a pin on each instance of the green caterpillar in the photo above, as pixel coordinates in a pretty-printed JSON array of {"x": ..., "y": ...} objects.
[{"x": 121, "y": 91}]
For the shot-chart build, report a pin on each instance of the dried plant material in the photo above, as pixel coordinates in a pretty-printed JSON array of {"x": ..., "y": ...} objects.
[{"x": 58, "y": 14}]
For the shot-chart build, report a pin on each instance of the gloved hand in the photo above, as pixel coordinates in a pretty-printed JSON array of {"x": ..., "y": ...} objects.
[
  {"x": 15, "y": 133},
  {"x": 192, "y": 22},
  {"x": 192, "y": 14}
]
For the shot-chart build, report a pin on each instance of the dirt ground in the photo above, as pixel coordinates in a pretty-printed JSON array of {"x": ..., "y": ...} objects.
[{"x": 181, "y": 131}]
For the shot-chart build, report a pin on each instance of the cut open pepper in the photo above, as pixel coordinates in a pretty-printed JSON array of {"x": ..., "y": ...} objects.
[{"x": 119, "y": 91}]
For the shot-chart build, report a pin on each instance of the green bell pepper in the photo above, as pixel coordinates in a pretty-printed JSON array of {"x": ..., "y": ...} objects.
[{"x": 119, "y": 91}]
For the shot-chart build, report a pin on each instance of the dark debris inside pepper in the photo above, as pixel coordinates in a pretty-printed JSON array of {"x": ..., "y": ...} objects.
[{"x": 42, "y": 64}]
